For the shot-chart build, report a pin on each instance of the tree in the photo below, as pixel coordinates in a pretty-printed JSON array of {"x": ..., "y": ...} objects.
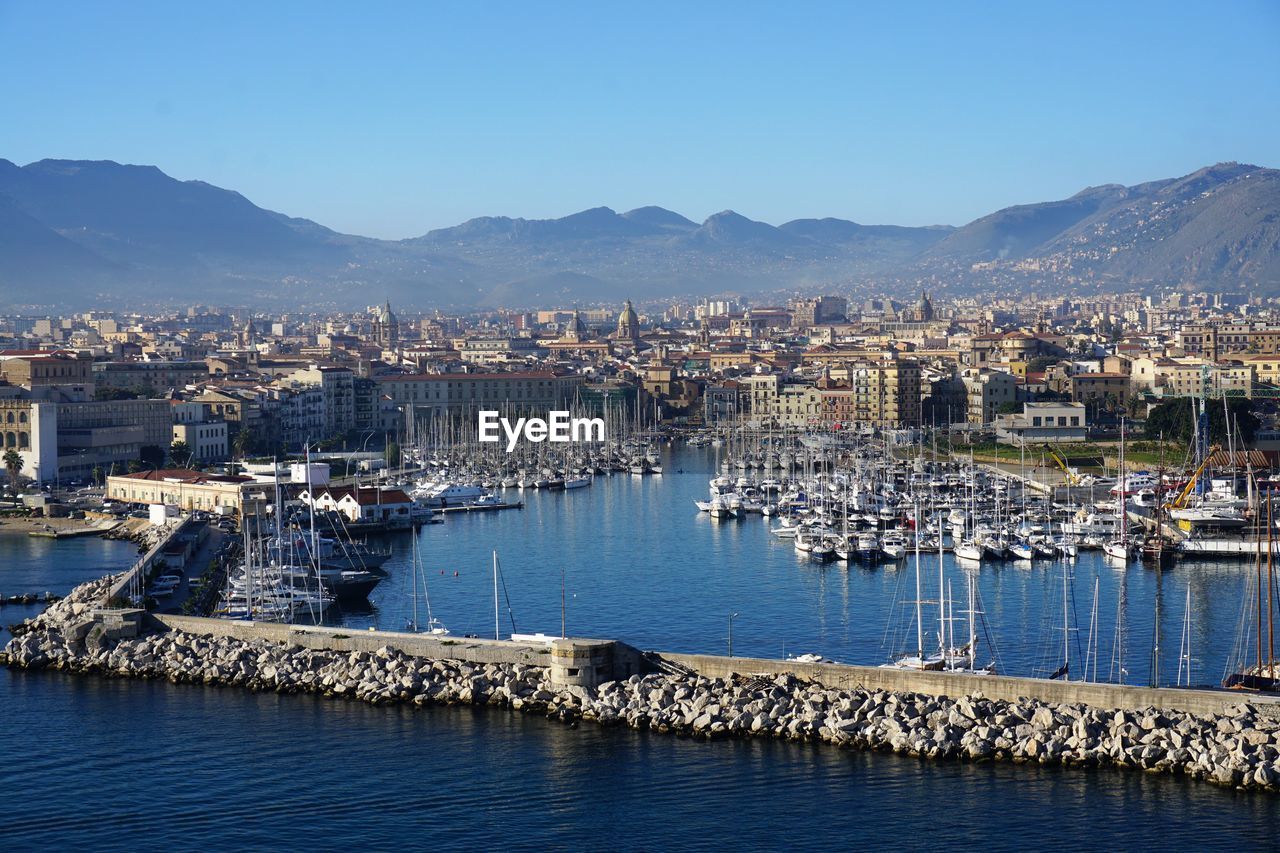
[
  {"x": 151, "y": 455},
  {"x": 13, "y": 467},
  {"x": 392, "y": 455},
  {"x": 135, "y": 465},
  {"x": 1176, "y": 419},
  {"x": 107, "y": 392},
  {"x": 1009, "y": 408},
  {"x": 242, "y": 443},
  {"x": 180, "y": 453},
  {"x": 97, "y": 475},
  {"x": 1041, "y": 363}
]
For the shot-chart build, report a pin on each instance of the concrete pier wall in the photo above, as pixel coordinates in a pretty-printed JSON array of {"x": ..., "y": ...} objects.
[
  {"x": 572, "y": 661},
  {"x": 137, "y": 572},
  {"x": 471, "y": 650},
  {"x": 991, "y": 686}
]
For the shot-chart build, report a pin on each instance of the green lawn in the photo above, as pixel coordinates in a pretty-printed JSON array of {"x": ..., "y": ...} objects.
[{"x": 1085, "y": 456}]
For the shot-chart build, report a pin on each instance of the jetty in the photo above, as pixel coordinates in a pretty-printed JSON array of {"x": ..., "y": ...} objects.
[{"x": 1223, "y": 737}]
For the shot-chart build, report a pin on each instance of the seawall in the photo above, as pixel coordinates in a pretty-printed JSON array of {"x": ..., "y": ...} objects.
[
  {"x": 622, "y": 661},
  {"x": 1004, "y": 688},
  {"x": 1227, "y": 738}
]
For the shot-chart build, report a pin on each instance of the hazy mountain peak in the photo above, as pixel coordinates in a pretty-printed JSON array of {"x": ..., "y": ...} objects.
[
  {"x": 134, "y": 234},
  {"x": 660, "y": 217}
]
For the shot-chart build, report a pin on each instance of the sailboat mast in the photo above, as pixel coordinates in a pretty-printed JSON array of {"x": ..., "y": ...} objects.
[
  {"x": 1271, "y": 636},
  {"x": 1124, "y": 488},
  {"x": 942, "y": 606},
  {"x": 1091, "y": 651},
  {"x": 496, "y": 633},
  {"x": 919, "y": 618},
  {"x": 414, "y": 581},
  {"x": 1155, "y": 646},
  {"x": 1259, "y": 614},
  {"x": 1066, "y": 628},
  {"x": 973, "y": 626}
]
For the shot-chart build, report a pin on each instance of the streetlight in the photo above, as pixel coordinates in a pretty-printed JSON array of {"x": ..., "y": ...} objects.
[
  {"x": 347, "y": 470},
  {"x": 731, "y": 617}
]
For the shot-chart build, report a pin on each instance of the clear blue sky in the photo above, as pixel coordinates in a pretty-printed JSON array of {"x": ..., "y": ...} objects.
[{"x": 390, "y": 119}]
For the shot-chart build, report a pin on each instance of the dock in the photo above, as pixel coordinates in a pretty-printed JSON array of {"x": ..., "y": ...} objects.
[
  {"x": 494, "y": 507},
  {"x": 71, "y": 533},
  {"x": 50, "y": 532}
]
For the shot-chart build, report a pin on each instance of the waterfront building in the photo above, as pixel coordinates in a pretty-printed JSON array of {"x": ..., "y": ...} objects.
[
  {"x": 109, "y": 434},
  {"x": 184, "y": 488},
  {"x": 1044, "y": 423},
  {"x": 31, "y": 428},
  {"x": 363, "y": 504}
]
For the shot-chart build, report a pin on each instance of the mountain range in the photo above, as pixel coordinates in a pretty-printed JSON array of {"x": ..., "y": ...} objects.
[{"x": 101, "y": 233}]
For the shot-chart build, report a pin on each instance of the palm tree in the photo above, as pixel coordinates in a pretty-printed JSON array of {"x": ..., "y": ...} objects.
[
  {"x": 180, "y": 453},
  {"x": 241, "y": 443},
  {"x": 13, "y": 467}
]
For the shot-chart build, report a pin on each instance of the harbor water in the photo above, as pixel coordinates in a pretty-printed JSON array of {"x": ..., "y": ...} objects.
[
  {"x": 640, "y": 563},
  {"x": 100, "y": 763}
]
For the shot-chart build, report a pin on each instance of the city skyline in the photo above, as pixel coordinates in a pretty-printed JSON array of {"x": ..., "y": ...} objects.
[{"x": 390, "y": 131}]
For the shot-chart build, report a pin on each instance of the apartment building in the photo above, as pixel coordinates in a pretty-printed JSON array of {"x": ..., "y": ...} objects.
[
  {"x": 986, "y": 391},
  {"x": 1100, "y": 388},
  {"x": 207, "y": 440},
  {"x": 337, "y": 397}
]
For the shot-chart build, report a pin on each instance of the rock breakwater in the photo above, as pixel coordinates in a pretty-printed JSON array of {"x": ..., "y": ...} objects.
[{"x": 1238, "y": 748}]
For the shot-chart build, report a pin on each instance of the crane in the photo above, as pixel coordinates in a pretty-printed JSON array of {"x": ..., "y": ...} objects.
[
  {"x": 1181, "y": 500},
  {"x": 1057, "y": 457}
]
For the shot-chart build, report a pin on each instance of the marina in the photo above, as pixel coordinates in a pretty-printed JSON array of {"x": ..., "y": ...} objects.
[{"x": 576, "y": 548}]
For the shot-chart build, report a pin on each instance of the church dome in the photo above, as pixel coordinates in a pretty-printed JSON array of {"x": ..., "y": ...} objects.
[
  {"x": 628, "y": 315},
  {"x": 628, "y": 322}
]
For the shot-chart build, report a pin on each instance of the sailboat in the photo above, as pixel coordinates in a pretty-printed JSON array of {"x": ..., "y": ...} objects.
[
  {"x": 433, "y": 625},
  {"x": 1118, "y": 548},
  {"x": 919, "y": 660},
  {"x": 947, "y": 657},
  {"x": 1264, "y": 674}
]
